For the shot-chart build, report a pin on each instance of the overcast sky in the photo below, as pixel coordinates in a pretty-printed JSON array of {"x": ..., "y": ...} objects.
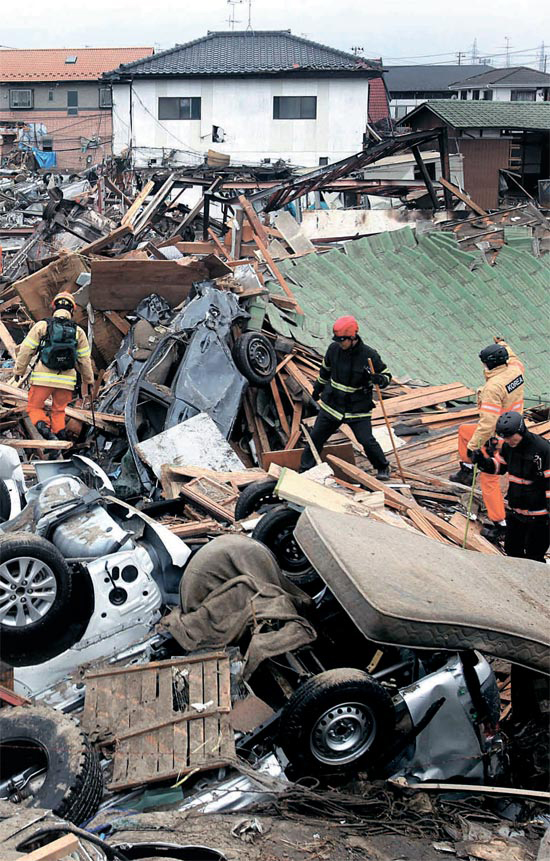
[{"x": 400, "y": 31}]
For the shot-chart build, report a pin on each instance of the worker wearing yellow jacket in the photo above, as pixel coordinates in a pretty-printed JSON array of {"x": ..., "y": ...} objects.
[
  {"x": 502, "y": 392},
  {"x": 63, "y": 349}
]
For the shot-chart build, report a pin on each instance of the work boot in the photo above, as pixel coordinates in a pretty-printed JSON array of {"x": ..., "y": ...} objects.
[
  {"x": 494, "y": 533},
  {"x": 45, "y": 430},
  {"x": 464, "y": 475},
  {"x": 383, "y": 474},
  {"x": 63, "y": 435}
]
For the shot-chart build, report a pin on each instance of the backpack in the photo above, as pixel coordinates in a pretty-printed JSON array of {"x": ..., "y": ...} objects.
[{"x": 57, "y": 349}]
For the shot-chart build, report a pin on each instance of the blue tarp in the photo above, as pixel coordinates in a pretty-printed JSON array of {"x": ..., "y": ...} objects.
[{"x": 45, "y": 159}]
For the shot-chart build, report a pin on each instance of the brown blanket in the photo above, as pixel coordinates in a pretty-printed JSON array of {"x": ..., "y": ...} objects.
[{"x": 233, "y": 584}]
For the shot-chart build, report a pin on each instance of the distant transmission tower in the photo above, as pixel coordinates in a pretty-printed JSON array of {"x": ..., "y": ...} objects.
[
  {"x": 507, "y": 48},
  {"x": 475, "y": 52},
  {"x": 542, "y": 58}
]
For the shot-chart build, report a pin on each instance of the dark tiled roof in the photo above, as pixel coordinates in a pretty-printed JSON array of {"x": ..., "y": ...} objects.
[
  {"x": 426, "y": 305},
  {"x": 472, "y": 114},
  {"x": 518, "y": 76},
  {"x": 248, "y": 53},
  {"x": 411, "y": 79}
]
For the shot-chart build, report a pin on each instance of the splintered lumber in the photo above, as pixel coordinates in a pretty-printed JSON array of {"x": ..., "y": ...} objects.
[
  {"x": 194, "y": 528},
  {"x": 401, "y": 503},
  {"x": 218, "y": 499},
  {"x": 303, "y": 491},
  {"x": 56, "y": 444},
  {"x": 279, "y": 406},
  {"x": 129, "y": 215},
  {"x": 105, "y": 421},
  {"x": 241, "y": 479},
  {"x": 423, "y": 397},
  {"x": 103, "y": 241}
]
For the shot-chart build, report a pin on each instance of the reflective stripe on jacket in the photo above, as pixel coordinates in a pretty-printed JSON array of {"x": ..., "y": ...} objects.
[
  {"x": 528, "y": 468},
  {"x": 344, "y": 381},
  {"x": 44, "y": 376},
  {"x": 502, "y": 392}
]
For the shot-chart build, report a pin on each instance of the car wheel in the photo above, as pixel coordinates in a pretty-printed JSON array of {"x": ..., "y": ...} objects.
[
  {"x": 5, "y": 502},
  {"x": 35, "y": 590},
  {"x": 276, "y": 531},
  {"x": 339, "y": 720},
  {"x": 255, "y": 497},
  {"x": 44, "y": 756},
  {"x": 255, "y": 358}
]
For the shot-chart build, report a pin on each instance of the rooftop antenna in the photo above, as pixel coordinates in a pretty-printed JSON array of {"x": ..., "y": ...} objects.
[
  {"x": 542, "y": 58},
  {"x": 507, "y": 48},
  {"x": 231, "y": 20},
  {"x": 357, "y": 50},
  {"x": 249, "y": 25},
  {"x": 475, "y": 52}
]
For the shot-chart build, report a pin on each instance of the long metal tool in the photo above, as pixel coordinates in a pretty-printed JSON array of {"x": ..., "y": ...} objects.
[
  {"x": 386, "y": 419},
  {"x": 94, "y": 426},
  {"x": 470, "y": 501}
]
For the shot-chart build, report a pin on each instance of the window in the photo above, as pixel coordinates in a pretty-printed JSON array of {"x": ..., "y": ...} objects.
[
  {"x": 523, "y": 95},
  {"x": 70, "y": 60},
  {"x": 464, "y": 94},
  {"x": 105, "y": 97},
  {"x": 50, "y": 95},
  {"x": 72, "y": 103},
  {"x": 294, "y": 107},
  {"x": 47, "y": 144},
  {"x": 475, "y": 95},
  {"x": 21, "y": 99},
  {"x": 323, "y": 160},
  {"x": 488, "y": 95},
  {"x": 180, "y": 108}
]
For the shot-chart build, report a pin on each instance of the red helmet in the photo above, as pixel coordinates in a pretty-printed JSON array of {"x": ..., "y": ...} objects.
[{"x": 345, "y": 327}]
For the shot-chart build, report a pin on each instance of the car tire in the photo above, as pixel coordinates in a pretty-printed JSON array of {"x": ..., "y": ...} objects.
[
  {"x": 5, "y": 502},
  {"x": 39, "y": 736},
  {"x": 45, "y": 583},
  {"x": 337, "y": 721},
  {"x": 254, "y": 497},
  {"x": 276, "y": 531},
  {"x": 255, "y": 358}
]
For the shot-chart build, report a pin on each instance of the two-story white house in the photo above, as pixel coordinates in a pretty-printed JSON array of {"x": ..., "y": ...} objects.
[
  {"x": 252, "y": 95},
  {"x": 512, "y": 84}
]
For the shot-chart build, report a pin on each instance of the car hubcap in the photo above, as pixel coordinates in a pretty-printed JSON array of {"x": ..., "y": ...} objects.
[
  {"x": 260, "y": 357},
  {"x": 27, "y": 591},
  {"x": 343, "y": 733}
]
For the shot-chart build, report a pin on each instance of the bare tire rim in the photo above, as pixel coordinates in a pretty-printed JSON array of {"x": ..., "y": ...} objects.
[
  {"x": 27, "y": 591},
  {"x": 343, "y": 733},
  {"x": 259, "y": 357},
  {"x": 289, "y": 554}
]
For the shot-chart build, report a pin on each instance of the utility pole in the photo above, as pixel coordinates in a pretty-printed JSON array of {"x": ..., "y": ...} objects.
[
  {"x": 542, "y": 58},
  {"x": 459, "y": 55},
  {"x": 507, "y": 40}
]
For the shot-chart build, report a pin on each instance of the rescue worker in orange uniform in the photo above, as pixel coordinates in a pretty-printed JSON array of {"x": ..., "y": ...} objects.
[
  {"x": 63, "y": 348},
  {"x": 502, "y": 392}
]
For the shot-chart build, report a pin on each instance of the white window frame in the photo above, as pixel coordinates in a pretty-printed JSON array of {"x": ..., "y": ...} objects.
[
  {"x": 105, "y": 91},
  {"x": 13, "y": 99}
]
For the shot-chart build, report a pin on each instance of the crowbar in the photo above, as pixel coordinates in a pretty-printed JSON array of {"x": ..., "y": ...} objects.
[{"x": 386, "y": 419}]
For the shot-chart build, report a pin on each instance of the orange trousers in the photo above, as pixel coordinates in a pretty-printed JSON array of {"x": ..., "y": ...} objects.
[
  {"x": 490, "y": 484},
  {"x": 38, "y": 396}
]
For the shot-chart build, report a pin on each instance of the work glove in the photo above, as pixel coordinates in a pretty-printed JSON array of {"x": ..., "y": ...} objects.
[
  {"x": 476, "y": 456},
  {"x": 380, "y": 380},
  {"x": 491, "y": 445},
  {"x": 316, "y": 393}
]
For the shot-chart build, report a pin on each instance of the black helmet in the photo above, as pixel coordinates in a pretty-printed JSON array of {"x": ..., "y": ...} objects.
[
  {"x": 494, "y": 355},
  {"x": 510, "y": 423}
]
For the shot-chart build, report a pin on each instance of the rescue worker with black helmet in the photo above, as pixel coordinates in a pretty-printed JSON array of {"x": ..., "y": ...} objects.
[
  {"x": 502, "y": 391},
  {"x": 62, "y": 349},
  {"x": 344, "y": 389},
  {"x": 525, "y": 456}
]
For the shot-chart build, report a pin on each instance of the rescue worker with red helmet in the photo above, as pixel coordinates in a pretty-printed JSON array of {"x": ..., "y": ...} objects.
[
  {"x": 344, "y": 389},
  {"x": 525, "y": 456},
  {"x": 502, "y": 392},
  {"x": 62, "y": 349}
]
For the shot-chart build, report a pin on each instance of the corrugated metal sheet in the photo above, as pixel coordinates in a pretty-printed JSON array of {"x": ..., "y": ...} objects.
[{"x": 427, "y": 306}]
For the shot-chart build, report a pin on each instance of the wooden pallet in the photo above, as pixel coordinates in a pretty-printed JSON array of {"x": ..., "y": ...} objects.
[{"x": 166, "y": 718}]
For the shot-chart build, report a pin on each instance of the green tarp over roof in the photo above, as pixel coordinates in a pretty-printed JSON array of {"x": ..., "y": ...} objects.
[{"x": 427, "y": 306}]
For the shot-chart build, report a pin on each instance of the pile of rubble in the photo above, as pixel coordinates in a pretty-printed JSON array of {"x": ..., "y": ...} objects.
[{"x": 156, "y": 656}]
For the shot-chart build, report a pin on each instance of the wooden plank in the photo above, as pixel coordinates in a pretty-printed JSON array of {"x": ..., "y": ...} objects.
[
  {"x": 131, "y": 213},
  {"x": 423, "y": 398},
  {"x": 211, "y": 724},
  {"x": 103, "y": 241},
  {"x": 295, "y": 428},
  {"x": 303, "y": 491},
  {"x": 118, "y": 321},
  {"x": 292, "y": 457},
  {"x": 56, "y": 850},
  {"x": 253, "y": 220},
  {"x": 299, "y": 376},
  {"x": 218, "y": 511},
  {"x": 7, "y": 340},
  {"x": 32, "y": 444},
  {"x": 279, "y": 406},
  {"x": 119, "y": 285},
  {"x": 196, "y": 727},
  {"x": 293, "y": 233},
  {"x": 140, "y": 668},
  {"x": 144, "y": 217},
  {"x": 471, "y": 204}
]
